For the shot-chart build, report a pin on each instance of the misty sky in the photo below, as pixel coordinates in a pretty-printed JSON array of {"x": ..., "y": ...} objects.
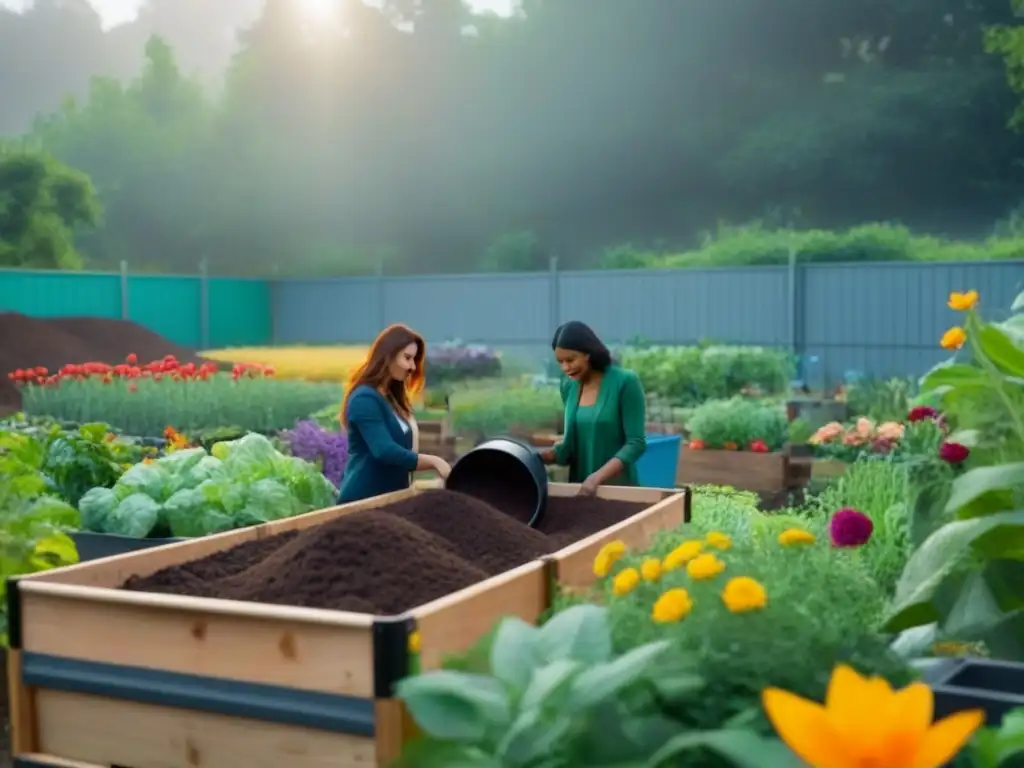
[{"x": 119, "y": 11}]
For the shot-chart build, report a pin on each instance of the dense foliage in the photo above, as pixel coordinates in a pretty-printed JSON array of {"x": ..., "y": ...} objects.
[{"x": 600, "y": 132}]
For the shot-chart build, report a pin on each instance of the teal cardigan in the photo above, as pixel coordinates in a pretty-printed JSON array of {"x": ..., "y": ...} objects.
[
  {"x": 623, "y": 438},
  {"x": 380, "y": 455}
]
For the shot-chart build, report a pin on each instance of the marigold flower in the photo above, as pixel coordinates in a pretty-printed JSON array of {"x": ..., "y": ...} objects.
[
  {"x": 673, "y": 605},
  {"x": 730, "y": 446},
  {"x": 850, "y": 528},
  {"x": 704, "y": 567},
  {"x": 792, "y": 536},
  {"x": 625, "y": 582},
  {"x": 682, "y": 554},
  {"x": 961, "y": 302},
  {"x": 650, "y": 569},
  {"x": 414, "y": 642},
  {"x": 865, "y": 722},
  {"x": 607, "y": 557},
  {"x": 953, "y": 339},
  {"x": 954, "y": 453},
  {"x": 743, "y": 594},
  {"x": 718, "y": 540}
]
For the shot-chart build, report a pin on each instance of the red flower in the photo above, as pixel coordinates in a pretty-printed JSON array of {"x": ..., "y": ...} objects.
[
  {"x": 850, "y": 528},
  {"x": 758, "y": 446},
  {"x": 921, "y": 412},
  {"x": 954, "y": 453},
  {"x": 882, "y": 445},
  {"x": 132, "y": 359},
  {"x": 696, "y": 445}
]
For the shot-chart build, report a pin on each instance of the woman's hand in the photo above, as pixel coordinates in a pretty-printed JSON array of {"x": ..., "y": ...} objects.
[
  {"x": 439, "y": 465},
  {"x": 547, "y": 456},
  {"x": 589, "y": 486}
]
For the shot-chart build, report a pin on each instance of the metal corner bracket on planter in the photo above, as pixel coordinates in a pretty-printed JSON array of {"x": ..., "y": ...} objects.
[
  {"x": 975, "y": 683},
  {"x": 93, "y": 546}
]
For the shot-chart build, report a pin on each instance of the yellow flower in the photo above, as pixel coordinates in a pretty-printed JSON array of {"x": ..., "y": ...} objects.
[
  {"x": 865, "y": 722},
  {"x": 673, "y": 605},
  {"x": 625, "y": 582},
  {"x": 650, "y": 569},
  {"x": 607, "y": 557},
  {"x": 682, "y": 554},
  {"x": 718, "y": 540},
  {"x": 742, "y": 594},
  {"x": 704, "y": 567},
  {"x": 414, "y": 642},
  {"x": 953, "y": 339},
  {"x": 961, "y": 302},
  {"x": 795, "y": 536}
]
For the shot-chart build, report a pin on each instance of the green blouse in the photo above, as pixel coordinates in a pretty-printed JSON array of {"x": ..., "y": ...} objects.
[{"x": 613, "y": 427}]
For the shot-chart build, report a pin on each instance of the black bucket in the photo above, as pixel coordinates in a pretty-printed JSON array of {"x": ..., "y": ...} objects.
[
  {"x": 93, "y": 546},
  {"x": 507, "y": 474}
]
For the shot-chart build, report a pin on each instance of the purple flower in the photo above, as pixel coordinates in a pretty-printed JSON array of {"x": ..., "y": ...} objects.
[
  {"x": 850, "y": 528},
  {"x": 311, "y": 442}
]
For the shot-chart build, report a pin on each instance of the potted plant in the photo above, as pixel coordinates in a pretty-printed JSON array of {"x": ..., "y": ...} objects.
[{"x": 737, "y": 442}]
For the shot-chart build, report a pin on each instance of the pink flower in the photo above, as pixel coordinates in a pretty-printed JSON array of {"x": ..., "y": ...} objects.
[
  {"x": 849, "y": 528},
  {"x": 922, "y": 412},
  {"x": 890, "y": 431},
  {"x": 954, "y": 453}
]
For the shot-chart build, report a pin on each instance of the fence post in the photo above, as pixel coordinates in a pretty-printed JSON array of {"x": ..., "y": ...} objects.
[
  {"x": 204, "y": 304},
  {"x": 381, "y": 310},
  {"x": 554, "y": 310},
  {"x": 125, "y": 305}
]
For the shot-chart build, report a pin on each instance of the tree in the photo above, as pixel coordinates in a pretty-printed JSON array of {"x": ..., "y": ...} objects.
[{"x": 42, "y": 205}]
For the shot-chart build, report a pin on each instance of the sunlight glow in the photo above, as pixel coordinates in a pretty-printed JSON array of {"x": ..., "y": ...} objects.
[{"x": 318, "y": 11}]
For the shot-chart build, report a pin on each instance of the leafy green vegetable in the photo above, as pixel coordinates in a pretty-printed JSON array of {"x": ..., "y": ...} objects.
[{"x": 191, "y": 493}]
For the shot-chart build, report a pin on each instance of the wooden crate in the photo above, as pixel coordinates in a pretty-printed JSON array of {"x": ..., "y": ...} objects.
[
  {"x": 101, "y": 676},
  {"x": 745, "y": 470}
]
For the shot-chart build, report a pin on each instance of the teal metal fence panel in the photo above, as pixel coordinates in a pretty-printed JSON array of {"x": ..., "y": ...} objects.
[
  {"x": 239, "y": 313},
  {"x": 60, "y": 294},
  {"x": 168, "y": 305}
]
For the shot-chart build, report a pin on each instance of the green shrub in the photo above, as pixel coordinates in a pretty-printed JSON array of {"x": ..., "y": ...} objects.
[
  {"x": 491, "y": 411},
  {"x": 740, "y": 421},
  {"x": 689, "y": 375}
]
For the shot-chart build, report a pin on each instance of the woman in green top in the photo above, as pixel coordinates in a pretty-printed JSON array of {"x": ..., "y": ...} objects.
[{"x": 605, "y": 412}]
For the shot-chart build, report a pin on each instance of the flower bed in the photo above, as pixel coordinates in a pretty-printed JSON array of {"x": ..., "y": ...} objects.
[
  {"x": 238, "y": 682},
  {"x": 142, "y": 398}
]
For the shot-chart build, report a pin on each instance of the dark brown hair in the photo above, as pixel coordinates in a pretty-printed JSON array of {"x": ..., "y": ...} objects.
[{"x": 374, "y": 372}]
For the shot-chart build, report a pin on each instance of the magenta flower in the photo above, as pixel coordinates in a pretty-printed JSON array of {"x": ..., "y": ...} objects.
[
  {"x": 922, "y": 412},
  {"x": 954, "y": 453},
  {"x": 849, "y": 528}
]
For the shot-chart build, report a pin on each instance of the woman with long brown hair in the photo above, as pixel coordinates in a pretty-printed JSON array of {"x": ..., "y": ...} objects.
[{"x": 382, "y": 435}]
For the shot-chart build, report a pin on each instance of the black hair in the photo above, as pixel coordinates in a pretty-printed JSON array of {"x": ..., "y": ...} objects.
[{"x": 580, "y": 337}]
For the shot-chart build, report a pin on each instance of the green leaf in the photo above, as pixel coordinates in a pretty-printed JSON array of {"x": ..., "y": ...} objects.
[
  {"x": 456, "y": 706},
  {"x": 975, "y": 612},
  {"x": 1011, "y": 733},
  {"x": 580, "y": 633},
  {"x": 984, "y": 486},
  {"x": 548, "y": 683},
  {"x": 933, "y": 561},
  {"x": 512, "y": 654},
  {"x": 744, "y": 749},
  {"x": 603, "y": 681},
  {"x": 431, "y": 753},
  {"x": 950, "y": 374},
  {"x": 532, "y": 737},
  {"x": 95, "y": 432},
  {"x": 1001, "y": 350}
]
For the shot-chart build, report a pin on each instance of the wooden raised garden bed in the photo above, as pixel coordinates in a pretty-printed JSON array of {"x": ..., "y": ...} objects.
[
  {"x": 103, "y": 676},
  {"x": 745, "y": 470}
]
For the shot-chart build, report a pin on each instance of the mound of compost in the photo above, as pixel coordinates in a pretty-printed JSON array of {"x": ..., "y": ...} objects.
[
  {"x": 386, "y": 560},
  {"x": 52, "y": 343}
]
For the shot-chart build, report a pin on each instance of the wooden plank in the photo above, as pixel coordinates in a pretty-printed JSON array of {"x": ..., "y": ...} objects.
[
  {"x": 394, "y": 728},
  {"x": 21, "y": 706},
  {"x": 114, "y": 571},
  {"x": 741, "y": 469},
  {"x": 109, "y": 732},
  {"x": 452, "y": 624},
  {"x": 56, "y": 762},
  {"x": 575, "y": 563},
  {"x": 639, "y": 495},
  {"x": 311, "y": 649}
]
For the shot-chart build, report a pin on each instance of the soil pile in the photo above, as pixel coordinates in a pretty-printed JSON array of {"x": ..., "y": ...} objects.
[
  {"x": 386, "y": 560},
  {"x": 29, "y": 342}
]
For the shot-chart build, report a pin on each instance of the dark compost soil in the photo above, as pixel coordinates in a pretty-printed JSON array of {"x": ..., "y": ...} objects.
[
  {"x": 386, "y": 560},
  {"x": 27, "y": 342}
]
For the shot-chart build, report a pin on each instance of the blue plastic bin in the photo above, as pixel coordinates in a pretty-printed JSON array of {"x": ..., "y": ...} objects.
[{"x": 657, "y": 467}]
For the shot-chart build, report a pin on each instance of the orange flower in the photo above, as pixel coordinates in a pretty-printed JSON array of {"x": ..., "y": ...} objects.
[
  {"x": 961, "y": 302},
  {"x": 953, "y": 339},
  {"x": 730, "y": 446}
]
